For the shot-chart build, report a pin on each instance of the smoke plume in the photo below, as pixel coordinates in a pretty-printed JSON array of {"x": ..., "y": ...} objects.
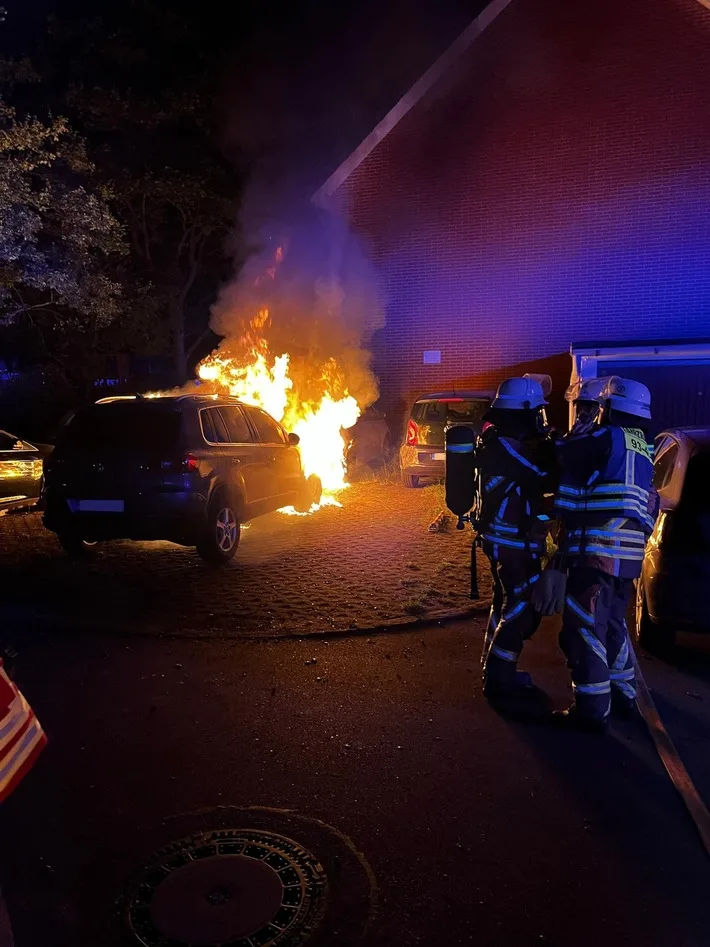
[{"x": 306, "y": 289}]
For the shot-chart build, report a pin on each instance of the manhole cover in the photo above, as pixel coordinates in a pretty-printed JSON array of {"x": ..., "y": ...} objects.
[{"x": 228, "y": 888}]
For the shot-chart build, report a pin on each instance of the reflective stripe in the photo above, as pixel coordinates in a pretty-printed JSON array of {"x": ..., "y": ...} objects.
[
  {"x": 604, "y": 687},
  {"x": 459, "y": 448},
  {"x": 605, "y": 552},
  {"x": 492, "y": 483},
  {"x": 593, "y": 642},
  {"x": 602, "y": 489},
  {"x": 617, "y": 535},
  {"x": 503, "y": 654},
  {"x": 625, "y": 675},
  {"x": 531, "y": 581},
  {"x": 492, "y": 537},
  {"x": 513, "y": 453},
  {"x": 514, "y": 612},
  {"x": 578, "y": 610},
  {"x": 621, "y": 658},
  {"x": 628, "y": 690}
]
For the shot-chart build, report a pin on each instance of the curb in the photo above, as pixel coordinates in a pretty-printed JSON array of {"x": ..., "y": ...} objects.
[{"x": 395, "y": 626}]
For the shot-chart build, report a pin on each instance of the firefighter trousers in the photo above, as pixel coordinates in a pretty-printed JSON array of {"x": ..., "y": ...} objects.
[
  {"x": 512, "y": 618},
  {"x": 595, "y": 640}
]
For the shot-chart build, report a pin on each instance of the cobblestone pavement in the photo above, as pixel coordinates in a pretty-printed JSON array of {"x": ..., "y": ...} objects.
[{"x": 371, "y": 562}]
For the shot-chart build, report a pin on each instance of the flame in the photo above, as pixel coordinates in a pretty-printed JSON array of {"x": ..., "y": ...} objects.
[{"x": 257, "y": 377}]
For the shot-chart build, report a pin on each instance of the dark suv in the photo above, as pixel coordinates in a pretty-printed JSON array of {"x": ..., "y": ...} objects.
[
  {"x": 422, "y": 454},
  {"x": 189, "y": 469}
]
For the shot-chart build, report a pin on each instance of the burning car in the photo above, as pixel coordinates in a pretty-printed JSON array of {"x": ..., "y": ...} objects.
[
  {"x": 185, "y": 468},
  {"x": 368, "y": 443}
]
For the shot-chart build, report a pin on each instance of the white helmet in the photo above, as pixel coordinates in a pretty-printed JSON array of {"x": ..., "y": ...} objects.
[
  {"x": 589, "y": 390},
  {"x": 627, "y": 395},
  {"x": 518, "y": 394}
]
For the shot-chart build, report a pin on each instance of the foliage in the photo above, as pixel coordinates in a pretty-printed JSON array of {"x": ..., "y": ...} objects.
[
  {"x": 57, "y": 228},
  {"x": 145, "y": 98}
]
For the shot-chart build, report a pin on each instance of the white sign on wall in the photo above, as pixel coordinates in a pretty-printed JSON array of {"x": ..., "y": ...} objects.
[{"x": 432, "y": 357}]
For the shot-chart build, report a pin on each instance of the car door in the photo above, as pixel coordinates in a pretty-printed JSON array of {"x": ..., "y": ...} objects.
[
  {"x": 20, "y": 470},
  {"x": 225, "y": 427},
  {"x": 283, "y": 460}
]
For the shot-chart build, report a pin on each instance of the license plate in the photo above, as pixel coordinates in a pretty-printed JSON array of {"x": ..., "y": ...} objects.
[
  {"x": 97, "y": 506},
  {"x": 438, "y": 456}
]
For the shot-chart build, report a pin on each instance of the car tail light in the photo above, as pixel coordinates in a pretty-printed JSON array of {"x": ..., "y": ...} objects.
[
  {"x": 185, "y": 464},
  {"x": 412, "y": 433}
]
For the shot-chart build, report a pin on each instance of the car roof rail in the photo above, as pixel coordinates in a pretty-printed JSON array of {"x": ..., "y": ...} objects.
[{"x": 136, "y": 397}]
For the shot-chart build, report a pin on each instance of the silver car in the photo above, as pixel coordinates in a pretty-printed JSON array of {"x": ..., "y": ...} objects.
[{"x": 672, "y": 593}]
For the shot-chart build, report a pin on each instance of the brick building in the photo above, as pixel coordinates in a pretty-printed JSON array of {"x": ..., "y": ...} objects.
[{"x": 546, "y": 186}]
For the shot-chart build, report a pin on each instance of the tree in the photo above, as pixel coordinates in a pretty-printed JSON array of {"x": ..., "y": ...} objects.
[
  {"x": 140, "y": 83},
  {"x": 57, "y": 231}
]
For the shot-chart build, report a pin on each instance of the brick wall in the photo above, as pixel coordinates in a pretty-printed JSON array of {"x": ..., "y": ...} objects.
[{"x": 554, "y": 188}]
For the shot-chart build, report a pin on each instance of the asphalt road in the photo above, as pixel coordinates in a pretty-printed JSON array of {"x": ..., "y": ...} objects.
[{"x": 477, "y": 830}]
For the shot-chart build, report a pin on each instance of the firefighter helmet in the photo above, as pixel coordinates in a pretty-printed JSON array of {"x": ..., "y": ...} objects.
[
  {"x": 625, "y": 394},
  {"x": 519, "y": 394},
  {"x": 588, "y": 390}
]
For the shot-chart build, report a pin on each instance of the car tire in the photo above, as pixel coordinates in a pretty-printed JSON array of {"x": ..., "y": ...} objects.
[
  {"x": 657, "y": 638},
  {"x": 75, "y": 546},
  {"x": 310, "y": 495},
  {"x": 220, "y": 540},
  {"x": 410, "y": 480}
]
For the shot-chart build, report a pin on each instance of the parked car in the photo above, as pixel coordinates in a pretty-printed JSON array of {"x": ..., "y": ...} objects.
[
  {"x": 20, "y": 473},
  {"x": 187, "y": 468},
  {"x": 672, "y": 591},
  {"x": 368, "y": 442},
  {"x": 422, "y": 454}
]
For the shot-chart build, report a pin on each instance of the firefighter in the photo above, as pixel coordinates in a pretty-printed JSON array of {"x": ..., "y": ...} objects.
[
  {"x": 585, "y": 397},
  {"x": 606, "y": 507},
  {"x": 516, "y": 461}
]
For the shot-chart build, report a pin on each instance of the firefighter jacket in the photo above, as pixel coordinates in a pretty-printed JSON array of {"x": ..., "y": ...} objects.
[
  {"x": 515, "y": 474},
  {"x": 605, "y": 500}
]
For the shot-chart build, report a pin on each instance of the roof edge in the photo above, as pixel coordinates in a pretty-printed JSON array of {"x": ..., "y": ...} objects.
[{"x": 410, "y": 99}]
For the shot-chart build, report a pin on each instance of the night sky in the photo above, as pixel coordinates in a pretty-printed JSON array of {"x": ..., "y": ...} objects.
[{"x": 302, "y": 85}]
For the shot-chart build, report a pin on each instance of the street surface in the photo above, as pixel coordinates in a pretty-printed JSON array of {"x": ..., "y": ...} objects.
[
  {"x": 178, "y": 698},
  {"x": 368, "y": 562},
  {"x": 478, "y": 831}
]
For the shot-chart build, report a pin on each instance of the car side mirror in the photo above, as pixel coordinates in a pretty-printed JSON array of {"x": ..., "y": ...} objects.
[{"x": 293, "y": 440}]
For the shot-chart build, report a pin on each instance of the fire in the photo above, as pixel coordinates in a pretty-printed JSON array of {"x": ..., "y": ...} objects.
[{"x": 314, "y": 403}]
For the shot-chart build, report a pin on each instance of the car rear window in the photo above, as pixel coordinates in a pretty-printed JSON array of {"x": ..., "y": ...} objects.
[
  {"x": 451, "y": 409},
  {"x": 124, "y": 426}
]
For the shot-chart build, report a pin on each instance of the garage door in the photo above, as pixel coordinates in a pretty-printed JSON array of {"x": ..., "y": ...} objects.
[{"x": 680, "y": 393}]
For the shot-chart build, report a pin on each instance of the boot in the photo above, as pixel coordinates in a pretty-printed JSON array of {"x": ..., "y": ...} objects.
[
  {"x": 622, "y": 707},
  {"x": 571, "y": 719},
  {"x": 517, "y": 698}
]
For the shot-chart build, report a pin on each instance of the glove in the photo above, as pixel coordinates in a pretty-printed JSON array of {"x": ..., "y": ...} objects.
[{"x": 548, "y": 594}]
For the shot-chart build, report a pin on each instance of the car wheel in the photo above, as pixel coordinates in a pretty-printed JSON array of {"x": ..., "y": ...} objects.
[
  {"x": 410, "y": 480},
  {"x": 310, "y": 495},
  {"x": 222, "y": 533},
  {"x": 75, "y": 546},
  {"x": 659, "y": 638}
]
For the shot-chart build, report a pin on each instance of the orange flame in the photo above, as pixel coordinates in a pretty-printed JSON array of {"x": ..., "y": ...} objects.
[{"x": 256, "y": 377}]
